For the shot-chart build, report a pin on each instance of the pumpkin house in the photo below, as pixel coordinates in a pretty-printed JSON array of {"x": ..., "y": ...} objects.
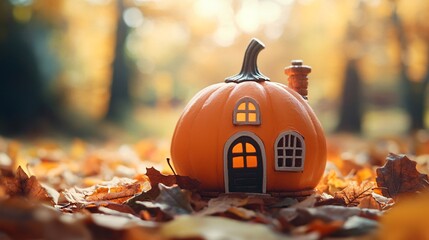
[{"x": 248, "y": 134}]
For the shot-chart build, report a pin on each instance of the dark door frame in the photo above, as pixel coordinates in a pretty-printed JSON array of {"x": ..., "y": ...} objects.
[{"x": 225, "y": 157}]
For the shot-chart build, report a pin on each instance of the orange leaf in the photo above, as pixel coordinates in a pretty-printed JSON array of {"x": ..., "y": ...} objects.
[{"x": 118, "y": 190}]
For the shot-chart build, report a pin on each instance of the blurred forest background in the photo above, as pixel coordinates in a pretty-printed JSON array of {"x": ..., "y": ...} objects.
[{"x": 126, "y": 68}]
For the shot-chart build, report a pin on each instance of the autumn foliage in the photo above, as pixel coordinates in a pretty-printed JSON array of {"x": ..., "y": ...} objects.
[{"x": 87, "y": 193}]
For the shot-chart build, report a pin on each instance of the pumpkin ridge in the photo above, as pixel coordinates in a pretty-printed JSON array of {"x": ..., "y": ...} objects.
[
  {"x": 205, "y": 93},
  {"x": 222, "y": 87},
  {"x": 318, "y": 130},
  {"x": 218, "y": 138},
  {"x": 315, "y": 124}
]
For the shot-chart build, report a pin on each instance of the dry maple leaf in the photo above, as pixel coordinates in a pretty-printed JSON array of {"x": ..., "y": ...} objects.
[
  {"x": 23, "y": 186},
  {"x": 354, "y": 192},
  {"x": 399, "y": 175},
  {"x": 156, "y": 178},
  {"x": 183, "y": 182}
]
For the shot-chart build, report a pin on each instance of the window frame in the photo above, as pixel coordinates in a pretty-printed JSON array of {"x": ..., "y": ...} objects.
[
  {"x": 246, "y": 111},
  {"x": 294, "y": 148},
  {"x": 245, "y": 155}
]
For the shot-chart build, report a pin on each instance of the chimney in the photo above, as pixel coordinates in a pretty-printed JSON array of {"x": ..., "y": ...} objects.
[{"x": 298, "y": 80}]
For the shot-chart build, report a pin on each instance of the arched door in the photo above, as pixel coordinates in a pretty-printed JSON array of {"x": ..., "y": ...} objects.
[{"x": 245, "y": 160}]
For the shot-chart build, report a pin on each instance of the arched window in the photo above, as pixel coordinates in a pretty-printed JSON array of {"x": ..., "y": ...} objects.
[
  {"x": 246, "y": 112},
  {"x": 289, "y": 152}
]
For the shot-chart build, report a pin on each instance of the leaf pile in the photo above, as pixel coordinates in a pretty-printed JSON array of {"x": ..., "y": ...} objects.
[{"x": 104, "y": 194}]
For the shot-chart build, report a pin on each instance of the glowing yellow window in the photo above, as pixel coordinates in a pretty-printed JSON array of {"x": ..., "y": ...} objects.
[
  {"x": 252, "y": 161},
  {"x": 250, "y": 148},
  {"x": 252, "y": 106},
  {"x": 241, "y": 117},
  {"x": 242, "y": 106},
  {"x": 238, "y": 148},
  {"x": 252, "y": 117},
  {"x": 238, "y": 162}
]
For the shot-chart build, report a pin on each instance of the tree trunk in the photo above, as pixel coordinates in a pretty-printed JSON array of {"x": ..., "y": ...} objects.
[
  {"x": 414, "y": 93},
  {"x": 417, "y": 103},
  {"x": 351, "y": 108},
  {"x": 120, "y": 101},
  {"x": 21, "y": 86}
]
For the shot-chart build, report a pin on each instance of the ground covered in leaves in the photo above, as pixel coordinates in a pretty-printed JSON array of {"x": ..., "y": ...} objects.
[{"x": 80, "y": 191}]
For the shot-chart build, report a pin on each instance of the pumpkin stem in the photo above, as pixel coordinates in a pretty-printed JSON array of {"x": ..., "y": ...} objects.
[{"x": 249, "y": 70}]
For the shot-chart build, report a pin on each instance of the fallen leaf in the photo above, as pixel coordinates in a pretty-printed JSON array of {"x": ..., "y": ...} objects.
[
  {"x": 322, "y": 228},
  {"x": 286, "y": 202},
  {"x": 156, "y": 178},
  {"x": 303, "y": 216},
  {"x": 174, "y": 200},
  {"x": 21, "y": 219},
  {"x": 327, "y": 199},
  {"x": 116, "y": 190},
  {"x": 20, "y": 185},
  {"x": 117, "y": 194},
  {"x": 384, "y": 202},
  {"x": 331, "y": 183},
  {"x": 183, "y": 182},
  {"x": 221, "y": 204},
  {"x": 310, "y": 201},
  {"x": 131, "y": 219},
  {"x": 365, "y": 174},
  {"x": 399, "y": 175},
  {"x": 355, "y": 192},
  {"x": 356, "y": 226},
  {"x": 96, "y": 206},
  {"x": 153, "y": 212},
  {"x": 242, "y": 213},
  {"x": 215, "y": 228},
  {"x": 92, "y": 165}
]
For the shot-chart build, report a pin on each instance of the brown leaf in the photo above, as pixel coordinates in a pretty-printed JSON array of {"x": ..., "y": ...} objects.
[
  {"x": 369, "y": 202},
  {"x": 23, "y": 186},
  {"x": 355, "y": 192},
  {"x": 399, "y": 175},
  {"x": 303, "y": 216},
  {"x": 155, "y": 178},
  {"x": 183, "y": 182},
  {"x": 174, "y": 200},
  {"x": 222, "y": 204}
]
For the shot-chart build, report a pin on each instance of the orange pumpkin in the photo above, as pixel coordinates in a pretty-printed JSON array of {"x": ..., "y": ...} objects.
[{"x": 249, "y": 134}]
